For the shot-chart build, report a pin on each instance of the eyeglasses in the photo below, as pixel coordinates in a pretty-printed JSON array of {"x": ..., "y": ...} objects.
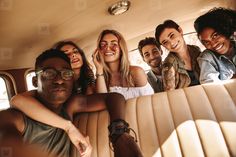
[{"x": 50, "y": 74}]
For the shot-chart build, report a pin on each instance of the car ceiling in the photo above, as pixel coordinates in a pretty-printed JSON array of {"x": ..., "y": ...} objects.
[{"x": 28, "y": 27}]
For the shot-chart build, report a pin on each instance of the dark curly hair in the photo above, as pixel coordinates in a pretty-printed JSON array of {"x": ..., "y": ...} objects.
[
  {"x": 147, "y": 41},
  {"x": 161, "y": 27},
  {"x": 222, "y": 20},
  {"x": 86, "y": 72}
]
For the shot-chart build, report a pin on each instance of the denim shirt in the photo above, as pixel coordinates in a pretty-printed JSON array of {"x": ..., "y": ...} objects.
[
  {"x": 216, "y": 67},
  {"x": 155, "y": 82}
]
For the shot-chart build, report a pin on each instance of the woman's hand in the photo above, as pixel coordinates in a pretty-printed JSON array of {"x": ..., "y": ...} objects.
[
  {"x": 97, "y": 61},
  {"x": 81, "y": 143}
]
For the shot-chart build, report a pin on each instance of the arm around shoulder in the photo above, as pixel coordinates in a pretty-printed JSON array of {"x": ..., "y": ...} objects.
[{"x": 37, "y": 110}]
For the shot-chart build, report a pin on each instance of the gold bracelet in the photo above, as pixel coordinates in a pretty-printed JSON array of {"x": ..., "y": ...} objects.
[{"x": 97, "y": 75}]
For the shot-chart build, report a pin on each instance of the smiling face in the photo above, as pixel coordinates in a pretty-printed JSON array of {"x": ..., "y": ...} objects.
[
  {"x": 214, "y": 41},
  {"x": 110, "y": 48},
  {"x": 152, "y": 55},
  {"x": 54, "y": 91},
  {"x": 172, "y": 39},
  {"x": 74, "y": 55}
]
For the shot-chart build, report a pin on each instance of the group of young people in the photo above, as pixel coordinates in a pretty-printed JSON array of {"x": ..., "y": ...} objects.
[
  {"x": 186, "y": 65},
  {"x": 66, "y": 83}
]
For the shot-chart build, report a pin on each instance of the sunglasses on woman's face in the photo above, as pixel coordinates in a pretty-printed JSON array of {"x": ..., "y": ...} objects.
[{"x": 112, "y": 45}]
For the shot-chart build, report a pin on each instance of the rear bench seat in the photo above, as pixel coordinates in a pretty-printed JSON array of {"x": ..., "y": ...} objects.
[{"x": 192, "y": 122}]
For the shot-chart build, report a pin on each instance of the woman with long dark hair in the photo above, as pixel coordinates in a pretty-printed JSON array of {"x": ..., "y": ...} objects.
[{"x": 84, "y": 77}]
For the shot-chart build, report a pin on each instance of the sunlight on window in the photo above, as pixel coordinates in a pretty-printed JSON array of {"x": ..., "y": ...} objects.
[
  {"x": 192, "y": 39},
  {"x": 136, "y": 59},
  {"x": 29, "y": 83},
  {"x": 4, "y": 102}
]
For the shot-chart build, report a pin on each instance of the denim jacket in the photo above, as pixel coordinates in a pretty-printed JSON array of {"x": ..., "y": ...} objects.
[
  {"x": 174, "y": 74},
  {"x": 216, "y": 67}
]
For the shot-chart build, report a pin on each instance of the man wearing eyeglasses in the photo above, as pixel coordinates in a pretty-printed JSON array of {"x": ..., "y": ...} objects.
[
  {"x": 54, "y": 82},
  {"x": 54, "y": 79}
]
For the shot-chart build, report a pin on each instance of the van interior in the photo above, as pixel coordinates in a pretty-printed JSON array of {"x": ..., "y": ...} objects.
[{"x": 30, "y": 27}]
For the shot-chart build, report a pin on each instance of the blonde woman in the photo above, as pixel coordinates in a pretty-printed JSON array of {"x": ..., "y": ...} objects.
[{"x": 113, "y": 70}]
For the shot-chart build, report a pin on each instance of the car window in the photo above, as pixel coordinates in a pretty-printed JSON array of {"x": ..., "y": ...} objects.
[{"x": 4, "y": 101}]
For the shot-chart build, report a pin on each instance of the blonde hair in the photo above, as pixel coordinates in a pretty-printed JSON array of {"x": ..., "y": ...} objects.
[{"x": 124, "y": 61}]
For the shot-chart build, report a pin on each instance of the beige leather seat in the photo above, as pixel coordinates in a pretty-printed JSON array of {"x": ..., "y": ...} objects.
[{"x": 192, "y": 122}]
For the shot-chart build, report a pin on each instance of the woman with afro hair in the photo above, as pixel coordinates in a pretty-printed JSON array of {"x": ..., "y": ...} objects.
[{"x": 216, "y": 30}]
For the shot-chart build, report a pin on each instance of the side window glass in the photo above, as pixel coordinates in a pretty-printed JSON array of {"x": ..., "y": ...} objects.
[
  {"x": 4, "y": 101},
  {"x": 136, "y": 59},
  {"x": 29, "y": 83},
  {"x": 192, "y": 39}
]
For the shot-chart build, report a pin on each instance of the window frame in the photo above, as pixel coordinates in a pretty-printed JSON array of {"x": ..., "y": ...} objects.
[
  {"x": 25, "y": 74},
  {"x": 10, "y": 84}
]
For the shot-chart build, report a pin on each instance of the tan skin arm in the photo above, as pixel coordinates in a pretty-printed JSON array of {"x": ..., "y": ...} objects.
[
  {"x": 37, "y": 110},
  {"x": 113, "y": 102},
  {"x": 100, "y": 80},
  {"x": 90, "y": 103}
]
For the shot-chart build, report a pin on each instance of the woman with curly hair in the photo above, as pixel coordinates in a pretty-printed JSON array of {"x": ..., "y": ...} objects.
[
  {"x": 114, "y": 72},
  {"x": 216, "y": 31}
]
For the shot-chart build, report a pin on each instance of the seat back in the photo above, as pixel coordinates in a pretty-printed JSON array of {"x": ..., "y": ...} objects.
[{"x": 193, "y": 122}]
